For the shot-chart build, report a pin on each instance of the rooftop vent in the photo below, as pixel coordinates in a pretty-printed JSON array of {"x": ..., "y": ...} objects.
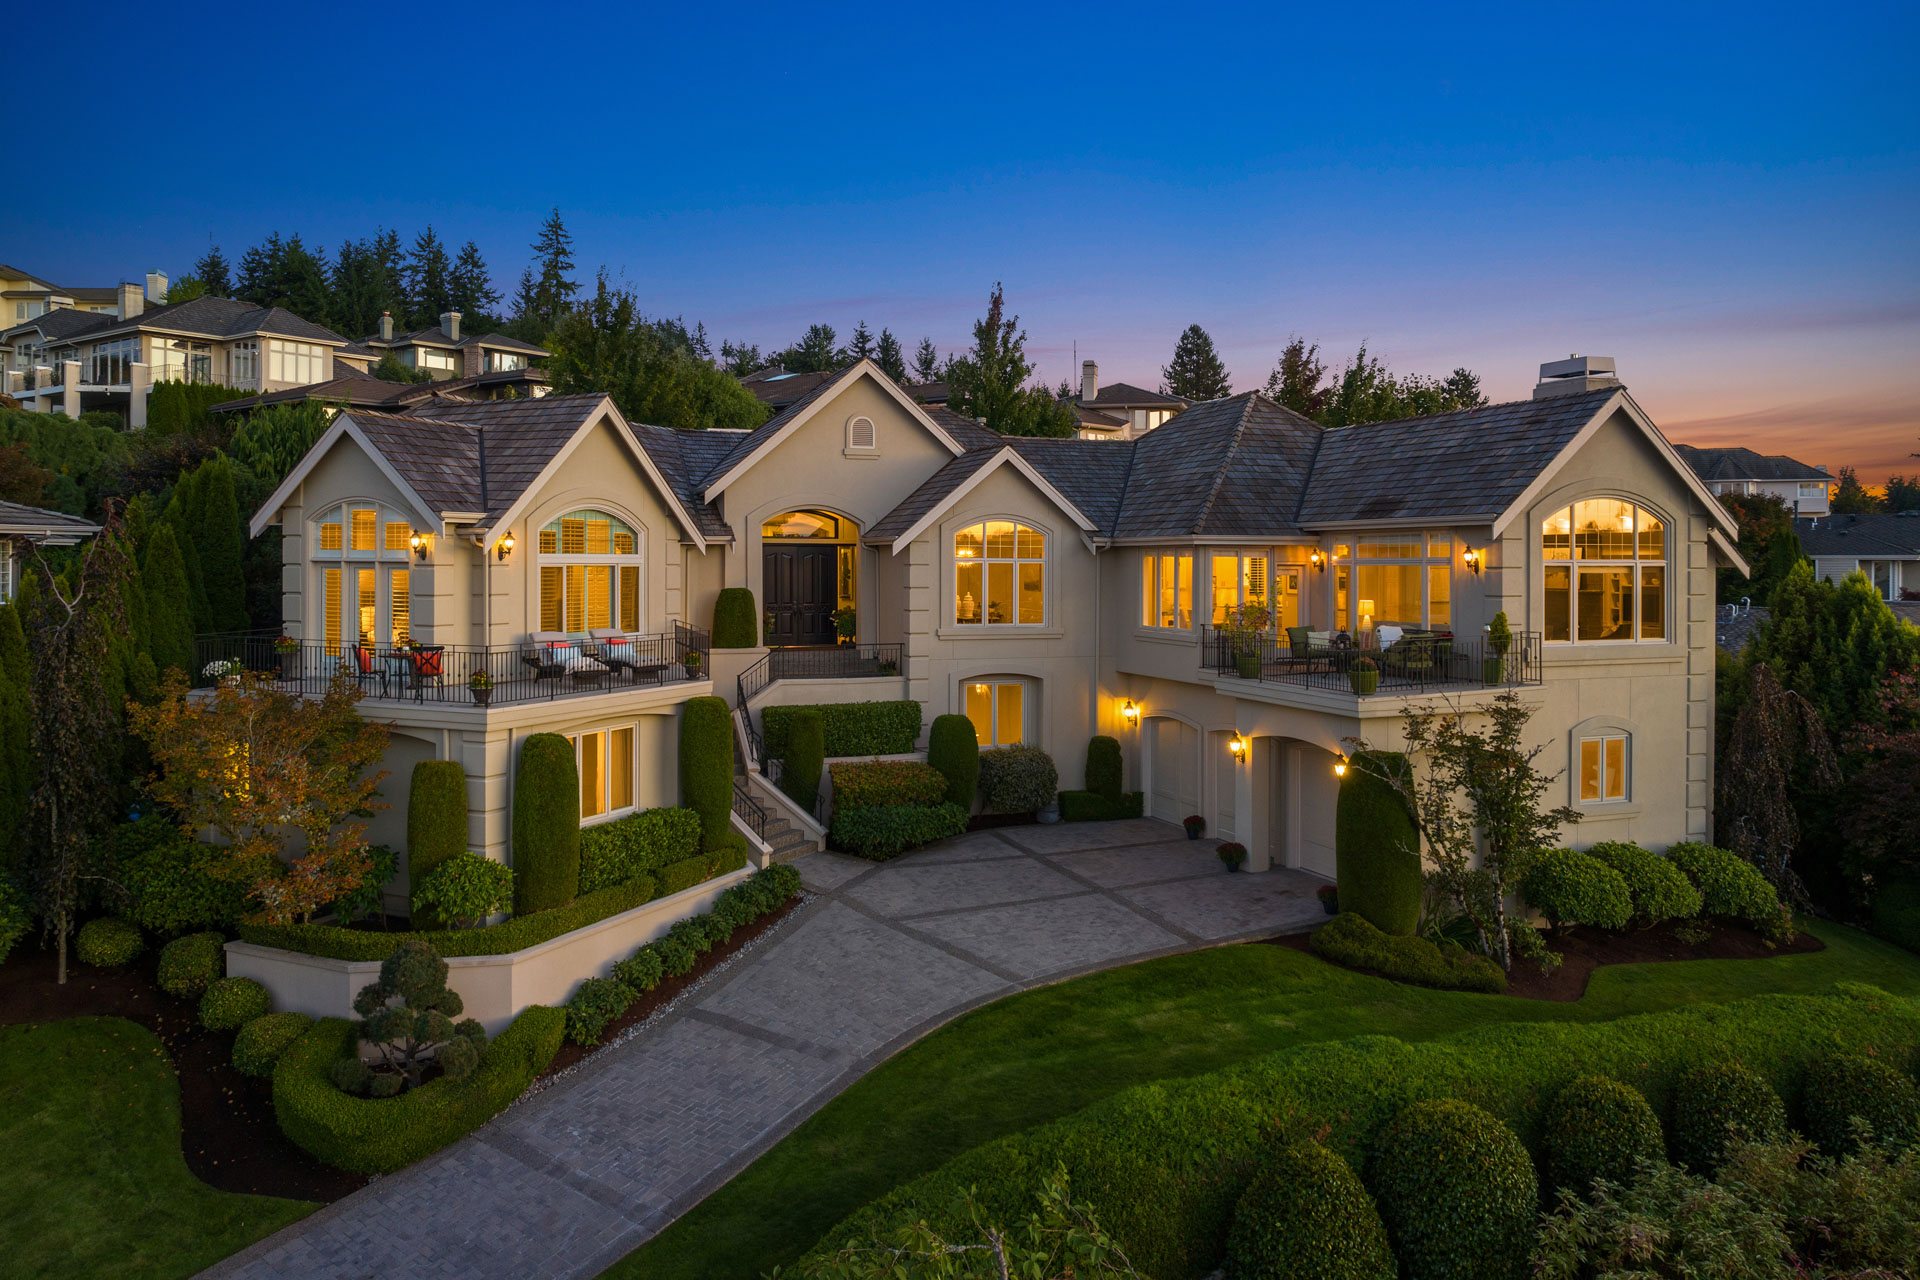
[{"x": 1575, "y": 374}]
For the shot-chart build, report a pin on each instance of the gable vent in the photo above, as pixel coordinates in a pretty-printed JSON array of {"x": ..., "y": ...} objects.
[{"x": 860, "y": 433}]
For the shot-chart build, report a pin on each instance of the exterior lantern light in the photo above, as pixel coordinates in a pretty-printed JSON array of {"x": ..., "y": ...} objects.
[
  {"x": 1130, "y": 712},
  {"x": 1473, "y": 560},
  {"x": 1238, "y": 745},
  {"x": 1317, "y": 560},
  {"x": 504, "y": 547},
  {"x": 1339, "y": 766},
  {"x": 419, "y": 544}
]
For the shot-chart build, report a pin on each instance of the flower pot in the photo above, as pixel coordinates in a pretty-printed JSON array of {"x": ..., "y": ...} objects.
[
  {"x": 481, "y": 697},
  {"x": 1247, "y": 665},
  {"x": 1364, "y": 682},
  {"x": 1330, "y": 905},
  {"x": 1493, "y": 670},
  {"x": 1193, "y": 833},
  {"x": 1051, "y": 813},
  {"x": 290, "y": 666}
]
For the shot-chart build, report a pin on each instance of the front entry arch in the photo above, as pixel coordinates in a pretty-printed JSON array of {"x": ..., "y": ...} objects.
[{"x": 806, "y": 576}]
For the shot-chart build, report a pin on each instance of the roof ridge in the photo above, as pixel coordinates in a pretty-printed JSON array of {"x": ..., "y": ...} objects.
[
  {"x": 1220, "y": 474},
  {"x": 1313, "y": 464}
]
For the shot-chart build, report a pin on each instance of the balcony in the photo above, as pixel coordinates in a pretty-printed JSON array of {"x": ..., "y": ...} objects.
[
  {"x": 1415, "y": 663},
  {"x": 453, "y": 675}
]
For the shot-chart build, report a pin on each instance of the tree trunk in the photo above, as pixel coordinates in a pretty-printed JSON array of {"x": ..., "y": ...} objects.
[{"x": 60, "y": 927}]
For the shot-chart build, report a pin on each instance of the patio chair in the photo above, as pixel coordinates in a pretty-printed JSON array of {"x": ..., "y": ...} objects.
[
  {"x": 549, "y": 654},
  {"x": 426, "y": 665},
  {"x": 367, "y": 667}
]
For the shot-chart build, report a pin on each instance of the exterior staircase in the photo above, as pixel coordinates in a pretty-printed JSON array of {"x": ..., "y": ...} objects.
[{"x": 787, "y": 840}]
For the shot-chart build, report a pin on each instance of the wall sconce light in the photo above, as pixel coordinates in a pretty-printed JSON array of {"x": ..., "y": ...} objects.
[
  {"x": 504, "y": 547},
  {"x": 419, "y": 544},
  {"x": 1339, "y": 766},
  {"x": 1238, "y": 746},
  {"x": 1318, "y": 561},
  {"x": 1472, "y": 558},
  {"x": 1130, "y": 712}
]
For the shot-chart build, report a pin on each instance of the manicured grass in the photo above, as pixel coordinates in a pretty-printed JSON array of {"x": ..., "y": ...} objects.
[
  {"x": 1047, "y": 1053},
  {"x": 92, "y": 1179}
]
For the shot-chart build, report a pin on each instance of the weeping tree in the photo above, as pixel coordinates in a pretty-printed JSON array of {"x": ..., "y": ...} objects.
[{"x": 1778, "y": 742}]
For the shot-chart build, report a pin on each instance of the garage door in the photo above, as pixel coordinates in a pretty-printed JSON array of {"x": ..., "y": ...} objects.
[
  {"x": 1313, "y": 790},
  {"x": 1175, "y": 769}
]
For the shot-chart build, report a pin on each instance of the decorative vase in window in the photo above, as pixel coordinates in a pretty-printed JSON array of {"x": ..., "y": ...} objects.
[{"x": 969, "y": 610}]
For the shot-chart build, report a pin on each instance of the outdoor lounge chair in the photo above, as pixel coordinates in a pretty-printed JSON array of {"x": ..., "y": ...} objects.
[
  {"x": 549, "y": 654},
  {"x": 618, "y": 652}
]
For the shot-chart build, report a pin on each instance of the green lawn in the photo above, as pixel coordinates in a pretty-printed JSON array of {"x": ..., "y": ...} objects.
[
  {"x": 93, "y": 1180},
  {"x": 1044, "y": 1054}
]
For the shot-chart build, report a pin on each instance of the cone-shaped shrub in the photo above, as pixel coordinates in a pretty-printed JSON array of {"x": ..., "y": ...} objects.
[
  {"x": 169, "y": 602},
  {"x": 1714, "y": 1105},
  {"x": 953, "y": 747},
  {"x": 1104, "y": 768},
  {"x": 1306, "y": 1217},
  {"x": 1376, "y": 849},
  {"x": 706, "y": 765},
  {"x": 1597, "y": 1127},
  {"x": 436, "y": 822},
  {"x": 736, "y": 622},
  {"x": 546, "y": 825},
  {"x": 1456, "y": 1191}
]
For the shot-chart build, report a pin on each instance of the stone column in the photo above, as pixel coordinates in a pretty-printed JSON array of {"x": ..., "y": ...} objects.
[
  {"x": 70, "y": 379},
  {"x": 139, "y": 385}
]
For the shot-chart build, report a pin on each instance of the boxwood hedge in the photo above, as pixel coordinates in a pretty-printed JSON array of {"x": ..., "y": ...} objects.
[
  {"x": 617, "y": 851},
  {"x": 863, "y": 784},
  {"x": 953, "y": 747},
  {"x": 1570, "y": 887},
  {"x": 1307, "y": 1217},
  {"x": 883, "y": 832},
  {"x": 1843, "y": 1087},
  {"x": 1350, "y": 939},
  {"x": 1660, "y": 891},
  {"x": 1731, "y": 888},
  {"x": 850, "y": 728},
  {"x": 1457, "y": 1192},
  {"x": 1598, "y": 1128},
  {"x": 1719, "y": 1101},
  {"x": 1162, "y": 1165}
]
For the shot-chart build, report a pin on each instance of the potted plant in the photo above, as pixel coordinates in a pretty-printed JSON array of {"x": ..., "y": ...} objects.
[
  {"x": 1195, "y": 824},
  {"x": 1329, "y": 899},
  {"x": 1246, "y": 632},
  {"x": 225, "y": 670},
  {"x": 480, "y": 685},
  {"x": 1233, "y": 854},
  {"x": 1493, "y": 667},
  {"x": 843, "y": 619},
  {"x": 691, "y": 663},
  {"x": 1364, "y": 676},
  {"x": 288, "y": 650},
  {"x": 887, "y": 666}
]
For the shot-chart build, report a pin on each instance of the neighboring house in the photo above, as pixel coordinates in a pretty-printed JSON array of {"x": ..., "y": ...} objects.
[
  {"x": 354, "y": 389},
  {"x": 492, "y": 360},
  {"x": 1883, "y": 545},
  {"x": 24, "y": 295},
  {"x": 1137, "y": 411},
  {"x": 1805, "y": 489},
  {"x": 1050, "y": 590},
  {"x": 776, "y": 388},
  {"x": 22, "y": 524}
]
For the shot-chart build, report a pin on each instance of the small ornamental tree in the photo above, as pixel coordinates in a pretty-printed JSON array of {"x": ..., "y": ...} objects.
[
  {"x": 736, "y": 622},
  {"x": 1777, "y": 736},
  {"x": 253, "y": 763},
  {"x": 418, "y": 1029},
  {"x": 953, "y": 747}
]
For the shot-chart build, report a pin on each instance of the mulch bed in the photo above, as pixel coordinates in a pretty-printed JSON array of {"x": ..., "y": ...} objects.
[{"x": 1584, "y": 950}]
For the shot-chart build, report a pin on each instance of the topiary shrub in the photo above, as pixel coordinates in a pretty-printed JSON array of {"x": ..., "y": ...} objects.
[
  {"x": 231, "y": 1003},
  {"x": 1715, "y": 1104},
  {"x": 1658, "y": 888},
  {"x": 1844, "y": 1087},
  {"x": 953, "y": 747},
  {"x": 736, "y": 619},
  {"x": 1456, "y": 1191},
  {"x": 1597, "y": 1127},
  {"x": 1376, "y": 848},
  {"x": 546, "y": 825},
  {"x": 1350, "y": 939},
  {"x": 436, "y": 822},
  {"x": 107, "y": 942},
  {"x": 1731, "y": 888},
  {"x": 806, "y": 756},
  {"x": 614, "y": 852},
  {"x": 464, "y": 890},
  {"x": 1020, "y": 779},
  {"x": 259, "y": 1044},
  {"x": 729, "y": 853},
  {"x": 189, "y": 965},
  {"x": 1570, "y": 887},
  {"x": 595, "y": 1003},
  {"x": 706, "y": 765},
  {"x": 408, "y": 1017},
  {"x": 885, "y": 832},
  {"x": 1307, "y": 1217},
  {"x": 641, "y": 971},
  {"x": 1104, "y": 767}
]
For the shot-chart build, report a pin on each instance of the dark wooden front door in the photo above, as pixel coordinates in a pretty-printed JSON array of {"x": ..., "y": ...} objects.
[{"x": 799, "y": 589}]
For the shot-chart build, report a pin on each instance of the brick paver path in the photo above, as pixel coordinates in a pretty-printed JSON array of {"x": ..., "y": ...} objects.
[{"x": 571, "y": 1180}]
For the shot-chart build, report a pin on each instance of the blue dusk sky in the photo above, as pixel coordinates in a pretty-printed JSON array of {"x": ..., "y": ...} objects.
[{"x": 1724, "y": 199}]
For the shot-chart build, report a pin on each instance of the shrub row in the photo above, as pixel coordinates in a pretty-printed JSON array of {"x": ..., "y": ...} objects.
[
  {"x": 865, "y": 784},
  {"x": 229, "y": 1004},
  {"x": 108, "y": 941},
  {"x": 367, "y": 1135},
  {"x": 804, "y": 757},
  {"x": 1615, "y": 884},
  {"x": 1351, "y": 939},
  {"x": 849, "y": 728},
  {"x": 1091, "y": 806},
  {"x": 1570, "y": 887},
  {"x": 1660, "y": 890},
  {"x": 1731, "y": 888},
  {"x": 188, "y": 965},
  {"x": 613, "y": 852},
  {"x": 891, "y": 830},
  {"x": 259, "y": 1045},
  {"x": 1162, "y": 1165}
]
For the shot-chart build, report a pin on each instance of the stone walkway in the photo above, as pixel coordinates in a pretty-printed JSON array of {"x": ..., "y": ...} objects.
[{"x": 570, "y": 1181}]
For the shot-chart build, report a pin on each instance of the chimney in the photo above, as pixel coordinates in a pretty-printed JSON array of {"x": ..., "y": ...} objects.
[
  {"x": 1575, "y": 374},
  {"x": 157, "y": 288},
  {"x": 129, "y": 301},
  {"x": 386, "y": 326},
  {"x": 1089, "y": 381},
  {"x": 450, "y": 324}
]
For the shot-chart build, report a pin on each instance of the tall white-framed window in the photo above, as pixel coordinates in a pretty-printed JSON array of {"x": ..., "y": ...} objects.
[
  {"x": 180, "y": 360},
  {"x": 111, "y": 362},
  {"x": 604, "y": 758},
  {"x": 1399, "y": 579},
  {"x": 1605, "y": 573},
  {"x": 998, "y": 709},
  {"x": 243, "y": 363},
  {"x": 360, "y": 552},
  {"x": 589, "y": 574},
  {"x": 1000, "y": 574},
  {"x": 1253, "y": 579},
  {"x": 1603, "y": 762},
  {"x": 296, "y": 362},
  {"x": 1166, "y": 590}
]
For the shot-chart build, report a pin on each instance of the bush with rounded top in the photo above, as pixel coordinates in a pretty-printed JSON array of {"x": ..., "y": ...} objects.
[
  {"x": 805, "y": 757},
  {"x": 189, "y": 965},
  {"x": 1376, "y": 848},
  {"x": 259, "y": 1044},
  {"x": 1104, "y": 768},
  {"x": 1731, "y": 888},
  {"x": 676, "y": 957},
  {"x": 642, "y": 970},
  {"x": 1659, "y": 889},
  {"x": 464, "y": 890},
  {"x": 546, "y": 825},
  {"x": 436, "y": 822},
  {"x": 706, "y": 765},
  {"x": 1570, "y": 887},
  {"x": 1843, "y": 1087},
  {"x": 1456, "y": 1191},
  {"x": 168, "y": 879},
  {"x": 1597, "y": 1127},
  {"x": 736, "y": 621},
  {"x": 1307, "y": 1217},
  {"x": 953, "y": 747},
  {"x": 231, "y": 1003},
  {"x": 693, "y": 934},
  {"x": 1715, "y": 1104},
  {"x": 595, "y": 1003},
  {"x": 108, "y": 941},
  {"x": 615, "y": 852},
  {"x": 1019, "y": 779}
]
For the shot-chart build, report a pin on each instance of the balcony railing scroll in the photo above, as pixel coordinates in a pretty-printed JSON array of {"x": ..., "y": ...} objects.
[{"x": 1413, "y": 663}]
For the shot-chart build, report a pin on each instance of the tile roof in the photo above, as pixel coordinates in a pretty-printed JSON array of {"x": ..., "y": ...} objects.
[
  {"x": 60, "y": 324},
  {"x": 435, "y": 336},
  {"x": 221, "y": 318},
  {"x": 1126, "y": 395},
  {"x": 440, "y": 459},
  {"x": 1230, "y": 467},
  {"x": 951, "y": 475},
  {"x": 512, "y": 442},
  {"x": 1097, "y": 420},
  {"x": 362, "y": 390},
  {"x": 1745, "y": 464},
  {"x": 778, "y": 388},
  {"x": 685, "y": 458},
  {"x": 745, "y": 445},
  {"x": 1878, "y": 534},
  {"x": 22, "y": 521}
]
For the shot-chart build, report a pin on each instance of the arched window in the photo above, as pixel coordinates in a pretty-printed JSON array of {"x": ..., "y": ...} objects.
[
  {"x": 999, "y": 574},
  {"x": 802, "y": 524},
  {"x": 361, "y": 549},
  {"x": 589, "y": 574},
  {"x": 1605, "y": 574}
]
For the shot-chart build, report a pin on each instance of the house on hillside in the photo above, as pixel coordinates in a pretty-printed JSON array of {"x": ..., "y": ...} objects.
[
  {"x": 1805, "y": 489},
  {"x": 1050, "y": 590},
  {"x": 1883, "y": 545},
  {"x": 493, "y": 365},
  {"x": 1119, "y": 411},
  {"x": 24, "y": 296}
]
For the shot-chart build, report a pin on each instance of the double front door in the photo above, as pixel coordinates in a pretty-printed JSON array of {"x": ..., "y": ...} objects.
[{"x": 799, "y": 589}]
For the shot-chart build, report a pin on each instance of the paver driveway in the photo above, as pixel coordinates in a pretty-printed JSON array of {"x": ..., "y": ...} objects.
[{"x": 569, "y": 1181}]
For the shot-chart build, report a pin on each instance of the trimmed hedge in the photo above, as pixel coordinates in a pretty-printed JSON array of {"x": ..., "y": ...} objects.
[
  {"x": 1020, "y": 779},
  {"x": 1456, "y": 1191},
  {"x": 231, "y": 1003},
  {"x": 379, "y": 1135},
  {"x": 953, "y": 747},
  {"x": 614, "y": 852},
  {"x": 706, "y": 765},
  {"x": 1660, "y": 891},
  {"x": 189, "y": 965},
  {"x": 736, "y": 619},
  {"x": 259, "y": 1044},
  {"x": 436, "y": 820},
  {"x": 167, "y": 878},
  {"x": 1843, "y": 1087},
  {"x": 884, "y": 832},
  {"x": 595, "y": 1003},
  {"x": 1599, "y": 1128},
  {"x": 1731, "y": 888},
  {"x": 546, "y": 826},
  {"x": 1351, "y": 939},
  {"x": 729, "y": 854},
  {"x": 107, "y": 942},
  {"x": 1714, "y": 1104},
  {"x": 1090, "y": 806},
  {"x": 804, "y": 757},
  {"x": 1162, "y": 1165},
  {"x": 1307, "y": 1217},
  {"x": 1104, "y": 768},
  {"x": 1376, "y": 847},
  {"x": 850, "y": 728},
  {"x": 876, "y": 783},
  {"x": 685, "y": 874},
  {"x": 1570, "y": 887}
]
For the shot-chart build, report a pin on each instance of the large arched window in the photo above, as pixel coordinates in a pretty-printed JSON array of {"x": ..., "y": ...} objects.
[
  {"x": 361, "y": 550},
  {"x": 999, "y": 574},
  {"x": 1605, "y": 575},
  {"x": 589, "y": 574}
]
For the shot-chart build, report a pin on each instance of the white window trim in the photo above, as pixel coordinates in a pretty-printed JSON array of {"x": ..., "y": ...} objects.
[
  {"x": 851, "y": 446},
  {"x": 1574, "y": 564},
  {"x": 994, "y": 683},
  {"x": 574, "y": 737},
  {"x": 1046, "y": 626},
  {"x": 1601, "y": 728},
  {"x": 1194, "y": 557}
]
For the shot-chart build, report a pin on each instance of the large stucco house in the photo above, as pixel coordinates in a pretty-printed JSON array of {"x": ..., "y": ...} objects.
[{"x": 1049, "y": 589}]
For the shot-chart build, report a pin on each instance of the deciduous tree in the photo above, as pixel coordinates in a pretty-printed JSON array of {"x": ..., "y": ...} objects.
[
  {"x": 1297, "y": 380},
  {"x": 990, "y": 382},
  {"x": 1778, "y": 739},
  {"x": 1852, "y": 498},
  {"x": 1196, "y": 371}
]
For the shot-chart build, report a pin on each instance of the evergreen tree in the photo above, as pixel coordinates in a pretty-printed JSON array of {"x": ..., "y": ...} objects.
[
  {"x": 553, "y": 288},
  {"x": 285, "y": 273},
  {"x": 990, "y": 381},
  {"x": 1197, "y": 372},
  {"x": 16, "y": 735},
  {"x": 216, "y": 536},
  {"x": 169, "y": 605},
  {"x": 185, "y": 289},
  {"x": 889, "y": 357},
  {"x": 429, "y": 281},
  {"x": 213, "y": 272},
  {"x": 814, "y": 353},
  {"x": 1853, "y": 498},
  {"x": 926, "y": 361},
  {"x": 471, "y": 287},
  {"x": 741, "y": 358},
  {"x": 1903, "y": 493},
  {"x": 1296, "y": 381},
  {"x": 860, "y": 346},
  {"x": 1463, "y": 389}
]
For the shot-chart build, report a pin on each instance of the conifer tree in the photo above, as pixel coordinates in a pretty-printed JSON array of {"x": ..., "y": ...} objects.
[
  {"x": 1196, "y": 372},
  {"x": 217, "y": 538},
  {"x": 471, "y": 287},
  {"x": 169, "y": 604},
  {"x": 926, "y": 361},
  {"x": 553, "y": 288},
  {"x": 213, "y": 272},
  {"x": 429, "y": 286},
  {"x": 889, "y": 357},
  {"x": 860, "y": 345}
]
